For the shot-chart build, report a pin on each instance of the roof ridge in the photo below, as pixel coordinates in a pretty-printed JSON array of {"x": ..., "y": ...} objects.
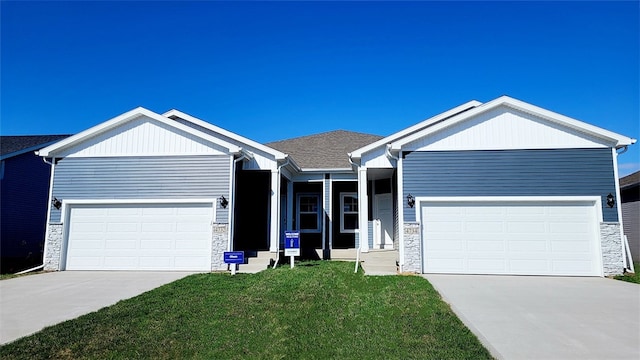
[{"x": 321, "y": 134}]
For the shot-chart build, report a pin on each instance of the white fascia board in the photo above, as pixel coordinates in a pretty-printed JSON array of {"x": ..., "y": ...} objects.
[
  {"x": 412, "y": 129},
  {"x": 328, "y": 170},
  {"x": 128, "y": 116},
  {"x": 608, "y": 136},
  {"x": 277, "y": 154}
]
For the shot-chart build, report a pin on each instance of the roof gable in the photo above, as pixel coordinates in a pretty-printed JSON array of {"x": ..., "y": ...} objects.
[
  {"x": 502, "y": 128},
  {"x": 326, "y": 150},
  {"x": 443, "y": 129},
  {"x": 136, "y": 132},
  {"x": 536, "y": 114}
]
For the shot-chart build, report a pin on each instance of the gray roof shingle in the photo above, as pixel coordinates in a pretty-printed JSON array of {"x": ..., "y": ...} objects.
[
  {"x": 629, "y": 180},
  {"x": 12, "y": 144},
  {"x": 326, "y": 150}
]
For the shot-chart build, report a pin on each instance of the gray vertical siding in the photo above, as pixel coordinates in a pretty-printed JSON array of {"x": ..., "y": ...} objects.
[
  {"x": 557, "y": 172},
  {"x": 175, "y": 177}
]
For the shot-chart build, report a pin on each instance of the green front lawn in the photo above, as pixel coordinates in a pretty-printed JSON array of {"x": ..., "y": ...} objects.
[
  {"x": 633, "y": 277},
  {"x": 318, "y": 310}
]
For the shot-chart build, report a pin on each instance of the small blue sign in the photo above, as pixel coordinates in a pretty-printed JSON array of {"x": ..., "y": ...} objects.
[
  {"x": 292, "y": 240},
  {"x": 234, "y": 257}
]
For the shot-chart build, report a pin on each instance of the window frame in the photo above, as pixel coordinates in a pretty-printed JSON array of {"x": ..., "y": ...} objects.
[
  {"x": 343, "y": 195},
  {"x": 318, "y": 228}
]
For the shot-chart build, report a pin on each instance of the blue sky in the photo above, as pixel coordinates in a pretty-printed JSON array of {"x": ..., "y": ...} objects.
[{"x": 276, "y": 70}]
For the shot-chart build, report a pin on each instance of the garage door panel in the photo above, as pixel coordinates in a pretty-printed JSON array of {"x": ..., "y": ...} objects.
[
  {"x": 566, "y": 266},
  {"x": 120, "y": 244},
  {"x": 527, "y": 246},
  {"x": 511, "y": 237},
  {"x": 571, "y": 247},
  {"x": 526, "y": 227},
  {"x": 140, "y": 237},
  {"x": 156, "y": 244},
  {"x": 484, "y": 226},
  {"x": 527, "y": 266},
  {"x": 445, "y": 245},
  {"x": 483, "y": 265},
  {"x": 158, "y": 227},
  {"x": 485, "y": 245}
]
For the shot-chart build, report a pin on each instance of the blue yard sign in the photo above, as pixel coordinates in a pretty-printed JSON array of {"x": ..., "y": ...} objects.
[
  {"x": 292, "y": 240},
  {"x": 292, "y": 244},
  {"x": 234, "y": 257}
]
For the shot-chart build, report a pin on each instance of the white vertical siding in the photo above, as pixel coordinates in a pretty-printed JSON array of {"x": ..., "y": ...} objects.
[
  {"x": 144, "y": 137},
  {"x": 505, "y": 128}
]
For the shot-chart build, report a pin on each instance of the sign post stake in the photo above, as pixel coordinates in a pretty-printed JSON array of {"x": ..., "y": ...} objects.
[
  {"x": 292, "y": 245},
  {"x": 233, "y": 258}
]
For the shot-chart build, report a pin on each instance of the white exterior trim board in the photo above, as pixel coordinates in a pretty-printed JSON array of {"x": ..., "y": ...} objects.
[{"x": 277, "y": 154}]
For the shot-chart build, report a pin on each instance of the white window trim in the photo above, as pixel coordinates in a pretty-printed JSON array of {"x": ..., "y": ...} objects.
[
  {"x": 318, "y": 229},
  {"x": 342, "y": 213}
]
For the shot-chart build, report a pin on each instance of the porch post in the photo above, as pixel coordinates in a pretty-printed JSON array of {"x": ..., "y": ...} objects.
[
  {"x": 363, "y": 209},
  {"x": 274, "y": 213}
]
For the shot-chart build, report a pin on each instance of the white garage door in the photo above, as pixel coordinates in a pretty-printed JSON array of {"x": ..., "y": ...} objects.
[
  {"x": 520, "y": 238},
  {"x": 140, "y": 237}
]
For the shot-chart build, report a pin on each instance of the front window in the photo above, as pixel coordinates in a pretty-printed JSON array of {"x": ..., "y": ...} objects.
[
  {"x": 348, "y": 212},
  {"x": 308, "y": 213}
]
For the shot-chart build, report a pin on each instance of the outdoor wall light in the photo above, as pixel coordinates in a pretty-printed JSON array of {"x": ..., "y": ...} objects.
[
  {"x": 411, "y": 201},
  {"x": 56, "y": 203},
  {"x": 611, "y": 201},
  {"x": 223, "y": 202}
]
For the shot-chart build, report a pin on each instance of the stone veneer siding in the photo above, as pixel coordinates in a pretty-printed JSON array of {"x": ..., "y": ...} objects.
[
  {"x": 611, "y": 242},
  {"x": 412, "y": 248},
  {"x": 53, "y": 254},
  {"x": 219, "y": 246}
]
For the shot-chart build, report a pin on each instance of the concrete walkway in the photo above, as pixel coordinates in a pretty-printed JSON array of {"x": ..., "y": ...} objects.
[
  {"x": 531, "y": 317},
  {"x": 30, "y": 303}
]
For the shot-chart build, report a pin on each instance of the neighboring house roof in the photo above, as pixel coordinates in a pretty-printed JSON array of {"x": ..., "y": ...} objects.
[
  {"x": 630, "y": 180},
  {"x": 11, "y": 146},
  {"x": 474, "y": 108},
  {"x": 324, "y": 151}
]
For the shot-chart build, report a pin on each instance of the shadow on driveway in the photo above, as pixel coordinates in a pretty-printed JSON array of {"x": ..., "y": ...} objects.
[{"x": 30, "y": 303}]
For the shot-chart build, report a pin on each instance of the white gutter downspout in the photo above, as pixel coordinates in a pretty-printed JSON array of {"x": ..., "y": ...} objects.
[
  {"x": 46, "y": 231},
  {"x": 623, "y": 238},
  {"x": 279, "y": 213},
  {"x": 388, "y": 153}
]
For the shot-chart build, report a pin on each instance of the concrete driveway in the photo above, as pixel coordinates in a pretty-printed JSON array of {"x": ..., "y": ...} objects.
[
  {"x": 30, "y": 303},
  {"x": 531, "y": 317}
]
